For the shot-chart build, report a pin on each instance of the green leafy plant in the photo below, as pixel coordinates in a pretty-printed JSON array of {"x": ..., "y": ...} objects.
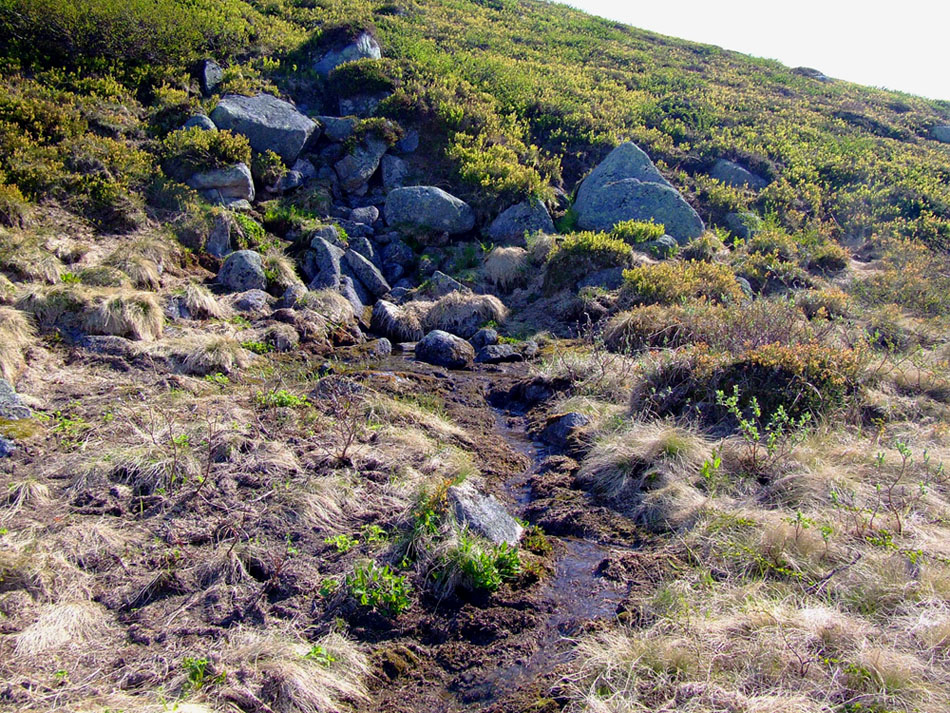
[
  {"x": 320, "y": 655},
  {"x": 280, "y": 399},
  {"x": 343, "y": 542},
  {"x": 258, "y": 347},
  {"x": 379, "y": 588}
]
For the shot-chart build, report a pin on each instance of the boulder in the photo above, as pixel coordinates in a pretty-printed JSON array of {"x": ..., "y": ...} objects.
[
  {"x": 498, "y": 354},
  {"x": 941, "y": 133},
  {"x": 251, "y": 301},
  {"x": 367, "y": 273},
  {"x": 356, "y": 297},
  {"x": 267, "y": 122},
  {"x": 367, "y": 214},
  {"x": 428, "y": 208},
  {"x": 441, "y": 284},
  {"x": 7, "y": 448},
  {"x": 610, "y": 278},
  {"x": 361, "y": 104},
  {"x": 627, "y": 186},
  {"x": 483, "y": 514},
  {"x": 409, "y": 142},
  {"x": 356, "y": 168},
  {"x": 224, "y": 185},
  {"x": 484, "y": 337},
  {"x": 397, "y": 259},
  {"x": 11, "y": 405},
  {"x": 292, "y": 296},
  {"x": 732, "y": 174},
  {"x": 561, "y": 430},
  {"x": 218, "y": 243},
  {"x": 631, "y": 199},
  {"x": 444, "y": 349},
  {"x": 364, "y": 46},
  {"x": 744, "y": 225},
  {"x": 394, "y": 171},
  {"x": 338, "y": 128},
  {"x": 365, "y": 248},
  {"x": 243, "y": 270},
  {"x": 329, "y": 233},
  {"x": 326, "y": 264},
  {"x": 200, "y": 121},
  {"x": 398, "y": 324},
  {"x": 287, "y": 182},
  {"x": 510, "y": 227},
  {"x": 282, "y": 337},
  {"x": 381, "y": 348},
  {"x": 209, "y": 75},
  {"x": 305, "y": 169},
  {"x": 662, "y": 248}
]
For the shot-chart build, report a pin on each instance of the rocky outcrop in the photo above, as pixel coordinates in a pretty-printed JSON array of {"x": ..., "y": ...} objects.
[
  {"x": 268, "y": 123},
  {"x": 326, "y": 264},
  {"x": 483, "y": 514},
  {"x": 367, "y": 273},
  {"x": 444, "y": 349},
  {"x": 356, "y": 168},
  {"x": 224, "y": 185},
  {"x": 428, "y": 208},
  {"x": 627, "y": 186},
  {"x": 732, "y": 174},
  {"x": 393, "y": 322},
  {"x": 364, "y": 46},
  {"x": 243, "y": 270},
  {"x": 395, "y": 171},
  {"x": 529, "y": 217}
]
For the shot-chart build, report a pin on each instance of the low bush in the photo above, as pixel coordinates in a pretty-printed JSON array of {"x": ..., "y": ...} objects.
[
  {"x": 580, "y": 254},
  {"x": 670, "y": 282},
  {"x": 379, "y": 588},
  {"x": 188, "y": 151},
  {"x": 635, "y": 231}
]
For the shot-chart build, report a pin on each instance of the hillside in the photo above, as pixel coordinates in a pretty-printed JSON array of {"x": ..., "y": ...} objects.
[{"x": 463, "y": 356}]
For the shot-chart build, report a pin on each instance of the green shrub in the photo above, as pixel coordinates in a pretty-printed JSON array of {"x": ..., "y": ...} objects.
[
  {"x": 580, "y": 254},
  {"x": 188, "y": 151},
  {"x": 274, "y": 399},
  {"x": 706, "y": 247},
  {"x": 482, "y": 567},
  {"x": 14, "y": 208},
  {"x": 671, "y": 282},
  {"x": 379, "y": 588},
  {"x": 364, "y": 76},
  {"x": 267, "y": 168},
  {"x": 635, "y": 231}
]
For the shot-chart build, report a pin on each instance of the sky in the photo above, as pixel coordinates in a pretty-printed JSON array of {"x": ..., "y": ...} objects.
[{"x": 896, "y": 45}]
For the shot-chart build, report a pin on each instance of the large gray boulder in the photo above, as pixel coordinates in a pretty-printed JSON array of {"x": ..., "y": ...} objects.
[
  {"x": 941, "y": 133},
  {"x": 744, "y": 225},
  {"x": 11, "y": 405},
  {"x": 243, "y": 270},
  {"x": 498, "y": 354},
  {"x": 428, "y": 208},
  {"x": 338, "y": 128},
  {"x": 397, "y": 259},
  {"x": 444, "y": 349},
  {"x": 395, "y": 171},
  {"x": 627, "y": 186},
  {"x": 367, "y": 273},
  {"x": 218, "y": 243},
  {"x": 267, "y": 122},
  {"x": 483, "y": 514},
  {"x": 326, "y": 264},
  {"x": 631, "y": 199},
  {"x": 224, "y": 185},
  {"x": 209, "y": 75},
  {"x": 356, "y": 168},
  {"x": 398, "y": 324},
  {"x": 732, "y": 174},
  {"x": 529, "y": 217},
  {"x": 349, "y": 290},
  {"x": 364, "y": 46},
  {"x": 200, "y": 121}
]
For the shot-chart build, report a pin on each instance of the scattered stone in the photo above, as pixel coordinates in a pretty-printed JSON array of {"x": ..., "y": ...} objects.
[
  {"x": 11, "y": 405},
  {"x": 510, "y": 227},
  {"x": 7, "y": 448},
  {"x": 364, "y": 46},
  {"x": 663, "y": 247},
  {"x": 395, "y": 172},
  {"x": 352, "y": 295},
  {"x": 326, "y": 264},
  {"x": 484, "y": 337},
  {"x": 292, "y": 296},
  {"x": 200, "y": 121},
  {"x": 218, "y": 243},
  {"x": 243, "y": 270},
  {"x": 484, "y": 514},
  {"x": 444, "y": 349},
  {"x": 397, "y": 294},
  {"x": 627, "y": 186},
  {"x": 529, "y": 349},
  {"x": 329, "y": 233},
  {"x": 381, "y": 348},
  {"x": 365, "y": 248},
  {"x": 367, "y": 273},
  {"x": 941, "y": 133},
  {"x": 408, "y": 143},
  {"x": 744, "y": 225},
  {"x": 224, "y": 185},
  {"x": 251, "y": 301},
  {"x": 361, "y": 104},
  {"x": 498, "y": 354},
  {"x": 367, "y": 215},
  {"x": 428, "y": 208},
  {"x": 363, "y": 295},
  {"x": 338, "y": 128},
  {"x": 109, "y": 345},
  {"x": 356, "y": 168},
  {"x": 441, "y": 284},
  {"x": 396, "y": 323},
  {"x": 286, "y": 183},
  {"x": 560, "y": 430},
  {"x": 397, "y": 258},
  {"x": 282, "y": 337},
  {"x": 210, "y": 76},
  {"x": 732, "y": 174},
  {"x": 305, "y": 169},
  {"x": 610, "y": 278},
  {"x": 267, "y": 122}
]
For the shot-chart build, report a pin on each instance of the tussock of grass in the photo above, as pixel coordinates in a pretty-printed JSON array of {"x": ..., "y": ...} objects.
[
  {"x": 7, "y": 290},
  {"x": 463, "y": 314},
  {"x": 136, "y": 315},
  {"x": 16, "y": 336},
  {"x": 75, "y": 623},
  {"x": 280, "y": 269},
  {"x": 28, "y": 257},
  {"x": 201, "y": 354},
  {"x": 201, "y": 304},
  {"x": 144, "y": 272},
  {"x": 330, "y": 305},
  {"x": 505, "y": 268}
]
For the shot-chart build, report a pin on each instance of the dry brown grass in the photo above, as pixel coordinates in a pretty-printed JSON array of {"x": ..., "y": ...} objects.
[
  {"x": 71, "y": 623},
  {"x": 125, "y": 313},
  {"x": 7, "y": 290},
  {"x": 201, "y": 304},
  {"x": 280, "y": 269},
  {"x": 144, "y": 273},
  {"x": 16, "y": 336},
  {"x": 29, "y": 257},
  {"x": 202, "y": 354},
  {"x": 463, "y": 314},
  {"x": 506, "y": 268},
  {"x": 330, "y": 305}
]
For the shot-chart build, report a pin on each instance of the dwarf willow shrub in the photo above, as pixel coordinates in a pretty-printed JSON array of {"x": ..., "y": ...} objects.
[
  {"x": 580, "y": 254},
  {"x": 671, "y": 282},
  {"x": 635, "y": 231},
  {"x": 187, "y": 151}
]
